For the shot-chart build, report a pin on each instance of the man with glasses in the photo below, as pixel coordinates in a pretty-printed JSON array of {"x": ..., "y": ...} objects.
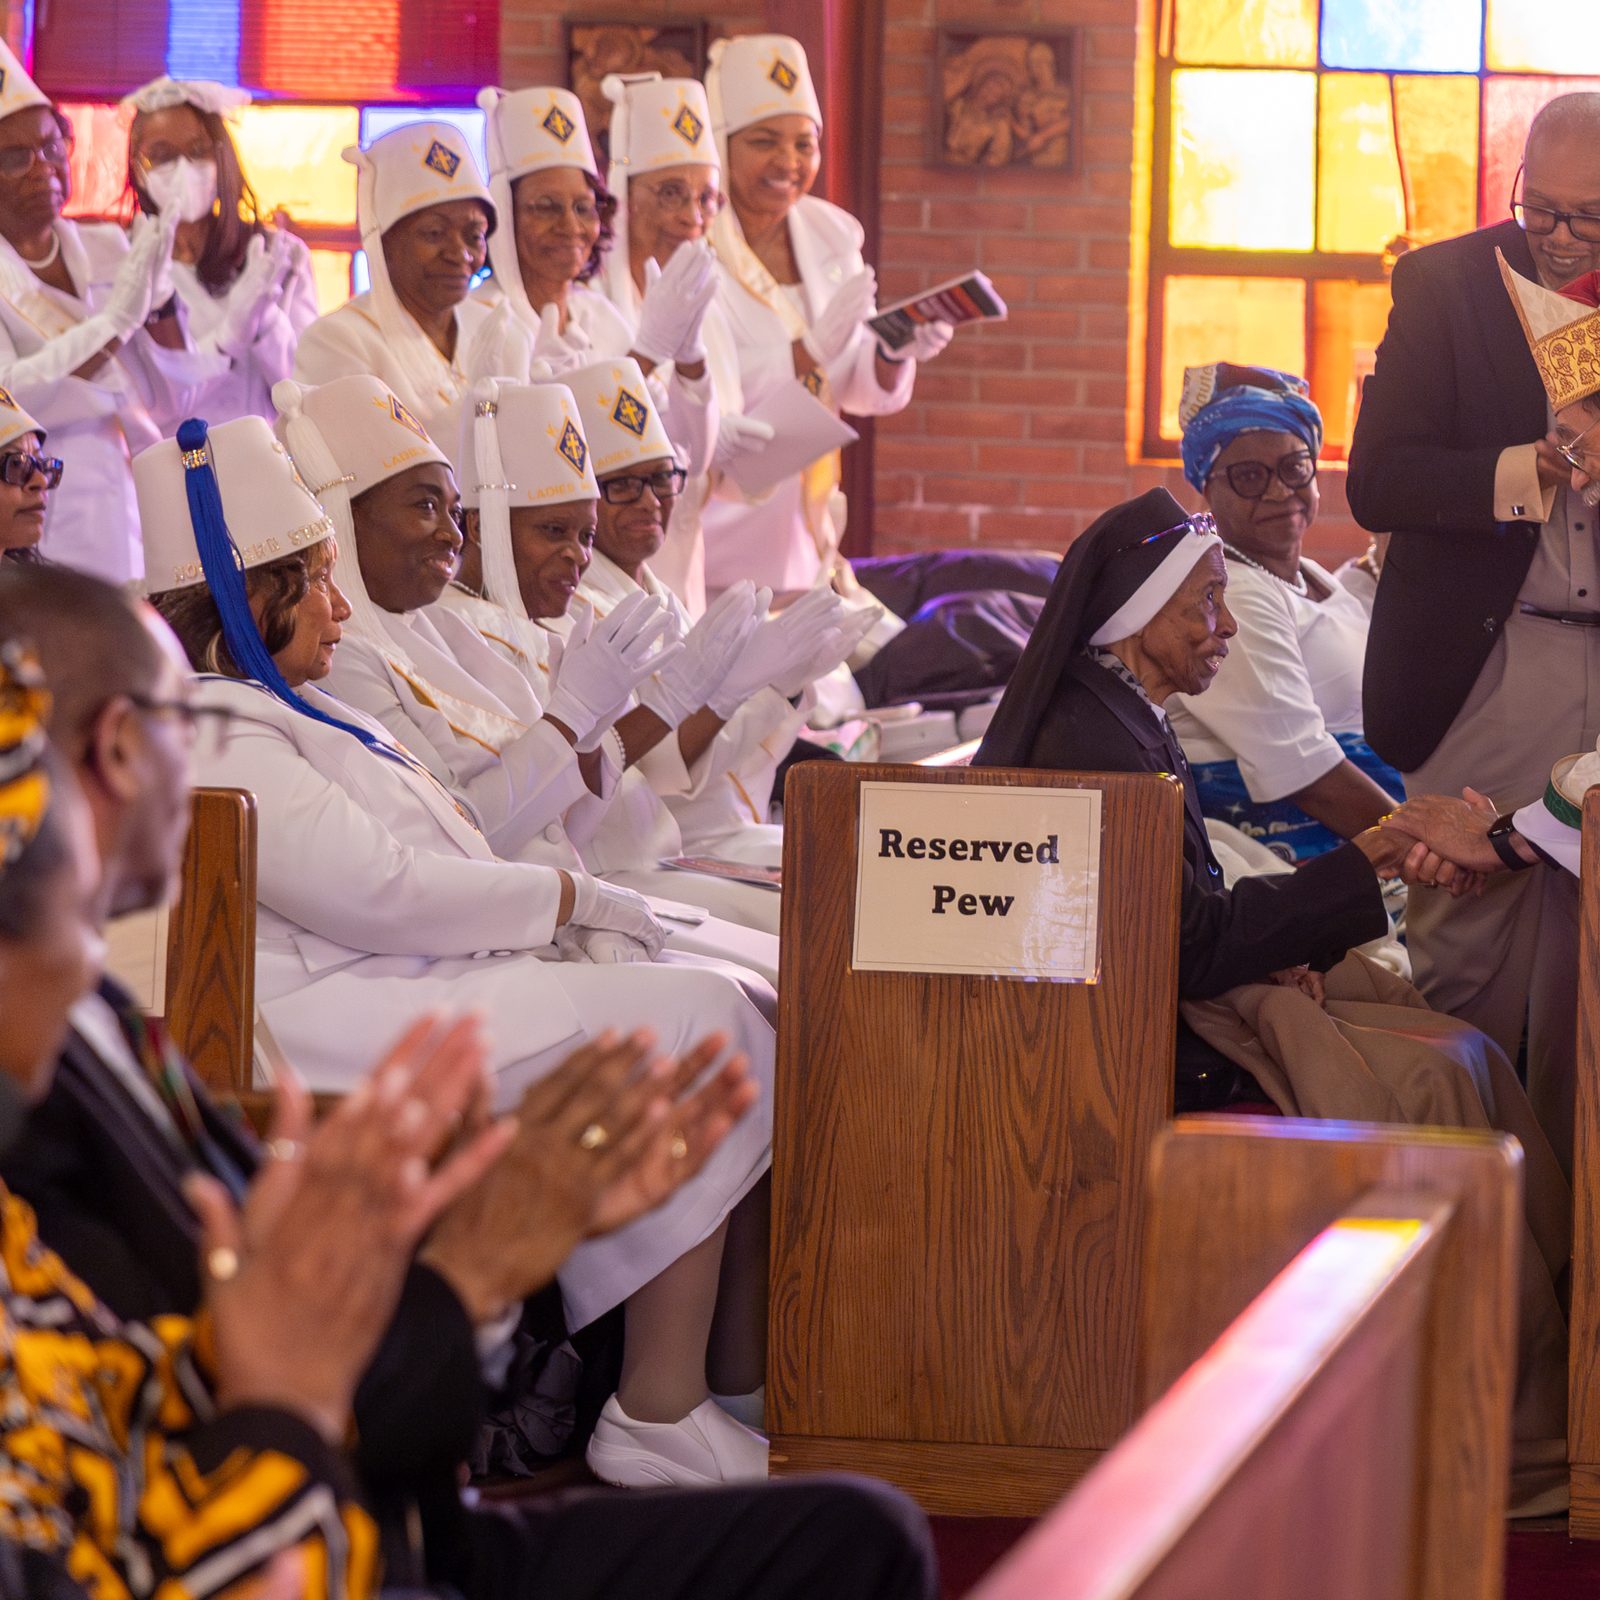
[
  {"x": 78, "y": 310},
  {"x": 1486, "y": 627}
]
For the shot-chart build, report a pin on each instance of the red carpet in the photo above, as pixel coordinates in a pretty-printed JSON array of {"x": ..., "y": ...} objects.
[{"x": 1539, "y": 1566}]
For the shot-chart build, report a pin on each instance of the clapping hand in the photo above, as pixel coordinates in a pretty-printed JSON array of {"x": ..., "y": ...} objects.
[
  {"x": 303, "y": 1278},
  {"x": 674, "y": 305},
  {"x": 681, "y": 687},
  {"x": 836, "y": 324},
  {"x": 607, "y": 1136},
  {"x": 603, "y": 661},
  {"x": 777, "y": 648}
]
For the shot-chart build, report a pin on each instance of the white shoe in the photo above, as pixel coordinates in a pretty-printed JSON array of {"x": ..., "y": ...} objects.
[
  {"x": 749, "y": 1409},
  {"x": 706, "y": 1447}
]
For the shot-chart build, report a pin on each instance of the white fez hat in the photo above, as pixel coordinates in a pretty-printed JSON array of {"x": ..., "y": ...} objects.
[
  {"x": 757, "y": 76},
  {"x": 18, "y": 92},
  {"x": 15, "y": 423},
  {"x": 161, "y": 94},
  {"x": 269, "y": 511},
  {"x": 517, "y": 445},
  {"x": 408, "y": 169},
  {"x": 618, "y": 415},
  {"x": 528, "y": 130}
]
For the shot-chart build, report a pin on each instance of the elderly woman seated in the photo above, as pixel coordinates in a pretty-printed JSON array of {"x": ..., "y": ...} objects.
[
  {"x": 1138, "y": 614},
  {"x": 1276, "y": 743}
]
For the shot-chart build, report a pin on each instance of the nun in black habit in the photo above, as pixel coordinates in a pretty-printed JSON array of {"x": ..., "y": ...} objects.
[{"x": 1138, "y": 612}]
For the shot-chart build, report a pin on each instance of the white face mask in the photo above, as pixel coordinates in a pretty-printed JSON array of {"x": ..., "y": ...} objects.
[{"x": 185, "y": 186}]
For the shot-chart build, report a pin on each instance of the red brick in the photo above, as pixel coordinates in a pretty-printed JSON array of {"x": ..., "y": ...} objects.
[
  {"x": 1080, "y": 217},
  {"x": 919, "y": 455},
  {"x": 1103, "y": 461},
  {"x": 977, "y": 217},
  {"x": 1112, "y": 44},
  {"x": 1080, "y": 355},
  {"x": 1015, "y": 389},
  {"x": 1022, "y": 529},
  {"x": 1110, "y": 255},
  {"x": 973, "y": 422},
  {"x": 1029, "y": 459},
  {"x": 1073, "y": 494},
  {"x": 930, "y": 526},
  {"x": 961, "y": 489},
  {"x": 943, "y": 382}
]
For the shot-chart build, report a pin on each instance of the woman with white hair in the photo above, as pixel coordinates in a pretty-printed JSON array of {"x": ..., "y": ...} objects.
[{"x": 426, "y": 218}]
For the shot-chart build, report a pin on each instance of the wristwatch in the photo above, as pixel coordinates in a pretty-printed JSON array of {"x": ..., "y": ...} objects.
[{"x": 1500, "y": 831}]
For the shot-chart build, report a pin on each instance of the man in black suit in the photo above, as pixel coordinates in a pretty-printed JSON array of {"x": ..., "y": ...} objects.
[
  {"x": 104, "y": 1158},
  {"x": 1485, "y": 636}
]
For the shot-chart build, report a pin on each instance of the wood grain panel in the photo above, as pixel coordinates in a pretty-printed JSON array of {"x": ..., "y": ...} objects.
[
  {"x": 1232, "y": 1202},
  {"x": 959, "y": 1161},
  {"x": 1583, "y": 1362},
  {"x": 211, "y": 948}
]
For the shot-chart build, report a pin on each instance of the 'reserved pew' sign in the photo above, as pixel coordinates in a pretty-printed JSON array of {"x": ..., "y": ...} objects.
[{"x": 992, "y": 881}]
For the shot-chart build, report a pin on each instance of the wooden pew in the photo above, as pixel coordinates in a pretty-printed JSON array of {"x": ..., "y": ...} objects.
[
  {"x": 1583, "y": 1417},
  {"x": 1348, "y": 1432},
  {"x": 958, "y": 1171}
]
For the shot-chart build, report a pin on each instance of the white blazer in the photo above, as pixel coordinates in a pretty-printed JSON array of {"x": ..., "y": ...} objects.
[
  {"x": 245, "y": 390},
  {"x": 767, "y": 540},
  {"x": 96, "y": 424}
]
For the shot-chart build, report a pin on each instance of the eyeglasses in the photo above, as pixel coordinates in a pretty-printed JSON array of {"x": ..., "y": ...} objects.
[
  {"x": 16, "y": 160},
  {"x": 1250, "y": 479},
  {"x": 1571, "y": 447},
  {"x": 1542, "y": 220},
  {"x": 206, "y": 727},
  {"x": 1202, "y": 523},
  {"x": 674, "y": 195},
  {"x": 547, "y": 211},
  {"x": 628, "y": 489},
  {"x": 165, "y": 155},
  {"x": 19, "y": 470}
]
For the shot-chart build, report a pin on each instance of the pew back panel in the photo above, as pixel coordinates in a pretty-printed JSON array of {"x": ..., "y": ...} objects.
[
  {"x": 958, "y": 1170},
  {"x": 1583, "y": 1428}
]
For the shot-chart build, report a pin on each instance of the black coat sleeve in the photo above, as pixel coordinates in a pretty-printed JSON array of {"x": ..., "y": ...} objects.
[
  {"x": 1408, "y": 470},
  {"x": 1309, "y": 917}
]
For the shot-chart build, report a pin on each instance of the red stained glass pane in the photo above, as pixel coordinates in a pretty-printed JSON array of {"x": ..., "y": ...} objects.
[
  {"x": 1509, "y": 105},
  {"x": 99, "y": 160}
]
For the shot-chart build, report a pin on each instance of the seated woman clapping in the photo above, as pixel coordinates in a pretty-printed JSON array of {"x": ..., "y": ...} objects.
[
  {"x": 379, "y": 896},
  {"x": 1276, "y": 741},
  {"x": 1140, "y": 613}
]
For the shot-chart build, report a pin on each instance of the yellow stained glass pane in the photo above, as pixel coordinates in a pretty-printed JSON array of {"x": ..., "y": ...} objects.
[
  {"x": 1526, "y": 36},
  {"x": 291, "y": 157},
  {"x": 330, "y": 270},
  {"x": 1360, "y": 204},
  {"x": 1247, "y": 33},
  {"x": 1257, "y": 322},
  {"x": 1347, "y": 321},
  {"x": 1438, "y": 123},
  {"x": 1243, "y": 159}
]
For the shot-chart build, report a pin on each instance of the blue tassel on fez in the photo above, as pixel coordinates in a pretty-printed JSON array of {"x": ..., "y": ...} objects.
[{"x": 219, "y": 559}]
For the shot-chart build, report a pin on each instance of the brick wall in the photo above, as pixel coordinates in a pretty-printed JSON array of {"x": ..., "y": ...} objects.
[{"x": 1019, "y": 433}]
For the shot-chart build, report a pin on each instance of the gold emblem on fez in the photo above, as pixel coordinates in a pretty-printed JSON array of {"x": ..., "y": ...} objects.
[
  {"x": 559, "y": 125},
  {"x": 784, "y": 75},
  {"x": 630, "y": 412},
  {"x": 442, "y": 159},
  {"x": 406, "y": 420},
  {"x": 687, "y": 125},
  {"x": 6, "y": 397},
  {"x": 571, "y": 445}
]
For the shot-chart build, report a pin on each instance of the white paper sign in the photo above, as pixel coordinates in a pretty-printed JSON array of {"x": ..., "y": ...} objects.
[
  {"x": 1001, "y": 881},
  {"x": 805, "y": 430}
]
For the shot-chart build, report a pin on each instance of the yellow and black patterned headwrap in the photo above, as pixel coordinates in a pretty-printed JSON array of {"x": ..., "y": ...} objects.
[{"x": 24, "y": 785}]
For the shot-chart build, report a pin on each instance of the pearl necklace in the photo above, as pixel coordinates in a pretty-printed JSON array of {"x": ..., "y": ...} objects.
[
  {"x": 1296, "y": 584},
  {"x": 48, "y": 259}
]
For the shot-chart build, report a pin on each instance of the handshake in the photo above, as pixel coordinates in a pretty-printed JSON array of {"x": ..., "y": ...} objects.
[{"x": 1441, "y": 843}]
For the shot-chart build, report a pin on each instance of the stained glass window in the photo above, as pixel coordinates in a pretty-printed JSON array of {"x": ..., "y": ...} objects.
[{"x": 1314, "y": 141}]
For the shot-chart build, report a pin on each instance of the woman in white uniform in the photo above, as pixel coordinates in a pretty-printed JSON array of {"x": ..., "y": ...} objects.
[
  {"x": 426, "y": 220},
  {"x": 531, "y": 496},
  {"x": 246, "y": 287},
  {"x": 543, "y": 177},
  {"x": 379, "y": 898},
  {"x": 715, "y": 771},
  {"x": 27, "y": 476},
  {"x": 88, "y": 341},
  {"x": 1276, "y": 742}
]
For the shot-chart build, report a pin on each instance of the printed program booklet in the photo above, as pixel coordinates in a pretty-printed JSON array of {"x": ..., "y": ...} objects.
[{"x": 969, "y": 299}]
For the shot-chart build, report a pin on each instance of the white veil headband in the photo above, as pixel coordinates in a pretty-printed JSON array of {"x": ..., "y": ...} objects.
[{"x": 1138, "y": 611}]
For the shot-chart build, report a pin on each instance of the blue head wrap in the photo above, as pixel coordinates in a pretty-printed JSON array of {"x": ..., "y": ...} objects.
[
  {"x": 1222, "y": 401},
  {"x": 224, "y": 570}
]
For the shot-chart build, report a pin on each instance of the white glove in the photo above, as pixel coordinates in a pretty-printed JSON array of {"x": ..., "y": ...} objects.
[
  {"x": 852, "y": 303},
  {"x": 675, "y": 304},
  {"x": 603, "y": 661},
  {"x": 599, "y": 905},
  {"x": 563, "y": 351},
  {"x": 248, "y": 299},
  {"x": 598, "y": 946},
  {"x": 501, "y": 348},
  {"x": 834, "y": 647},
  {"x": 132, "y": 296},
  {"x": 927, "y": 340},
  {"x": 740, "y": 436},
  {"x": 778, "y": 649},
  {"x": 680, "y": 688}
]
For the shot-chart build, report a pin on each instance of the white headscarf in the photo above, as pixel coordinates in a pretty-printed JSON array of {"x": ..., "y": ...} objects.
[{"x": 161, "y": 94}]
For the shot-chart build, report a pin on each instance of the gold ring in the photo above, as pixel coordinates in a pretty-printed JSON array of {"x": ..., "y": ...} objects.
[
  {"x": 222, "y": 1264},
  {"x": 593, "y": 1137},
  {"x": 679, "y": 1147}
]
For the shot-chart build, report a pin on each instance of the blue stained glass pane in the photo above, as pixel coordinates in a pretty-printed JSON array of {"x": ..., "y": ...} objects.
[
  {"x": 379, "y": 120},
  {"x": 360, "y": 278},
  {"x": 203, "y": 40},
  {"x": 1403, "y": 35}
]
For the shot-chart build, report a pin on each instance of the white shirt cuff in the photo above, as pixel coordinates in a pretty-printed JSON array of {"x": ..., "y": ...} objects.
[{"x": 1518, "y": 494}]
